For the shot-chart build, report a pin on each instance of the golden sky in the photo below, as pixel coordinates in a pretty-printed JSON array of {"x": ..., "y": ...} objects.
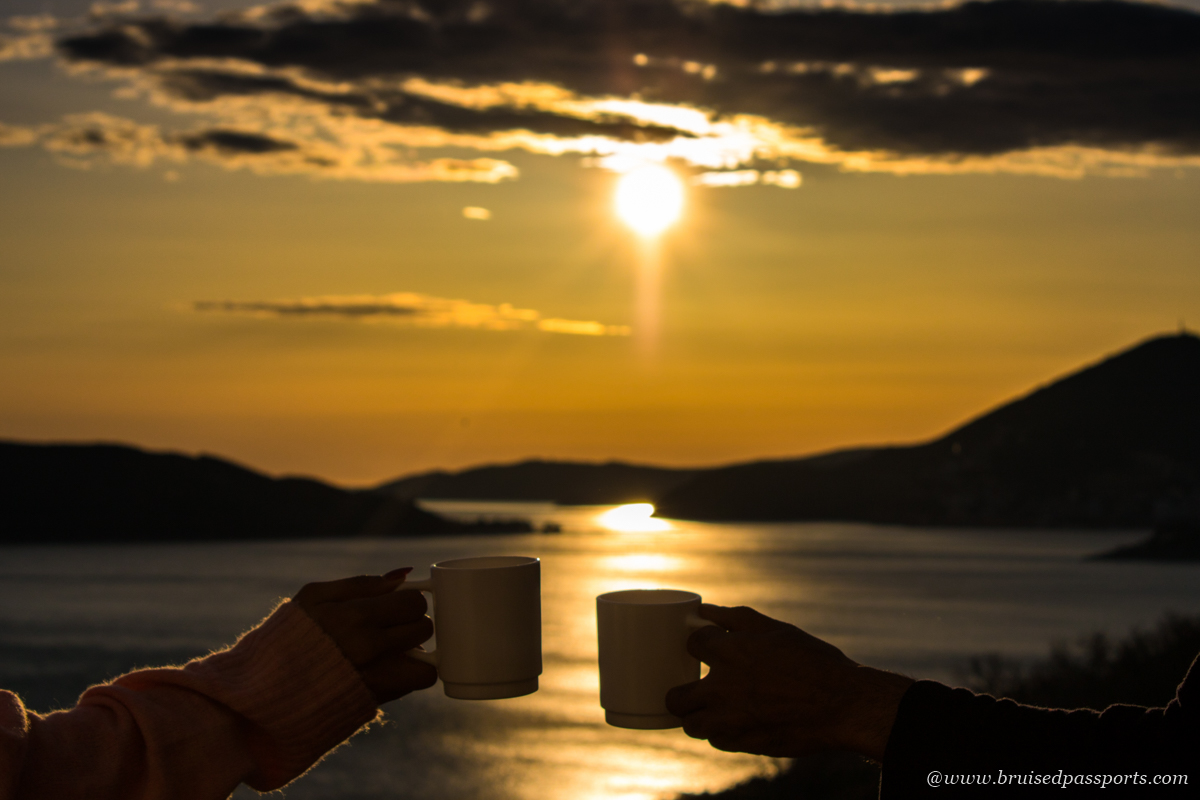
[{"x": 289, "y": 280}]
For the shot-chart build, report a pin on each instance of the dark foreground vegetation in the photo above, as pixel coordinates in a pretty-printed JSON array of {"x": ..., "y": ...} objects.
[
  {"x": 1143, "y": 668},
  {"x": 1174, "y": 540}
]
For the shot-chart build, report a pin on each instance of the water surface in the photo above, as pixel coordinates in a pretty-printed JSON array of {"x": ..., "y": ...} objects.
[{"x": 916, "y": 600}]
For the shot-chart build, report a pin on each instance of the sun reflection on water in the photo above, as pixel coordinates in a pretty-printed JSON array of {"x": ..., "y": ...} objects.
[
  {"x": 633, "y": 518},
  {"x": 643, "y": 562}
]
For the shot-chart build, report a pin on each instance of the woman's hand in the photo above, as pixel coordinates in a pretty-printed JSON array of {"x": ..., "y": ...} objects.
[
  {"x": 774, "y": 690},
  {"x": 374, "y": 622}
]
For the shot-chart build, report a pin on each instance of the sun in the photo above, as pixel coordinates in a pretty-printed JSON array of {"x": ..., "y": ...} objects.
[{"x": 649, "y": 199}]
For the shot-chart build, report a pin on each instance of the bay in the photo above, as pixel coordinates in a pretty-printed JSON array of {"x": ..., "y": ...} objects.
[{"x": 916, "y": 600}]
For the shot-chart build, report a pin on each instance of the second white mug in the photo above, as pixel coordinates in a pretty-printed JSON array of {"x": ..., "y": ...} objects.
[
  {"x": 487, "y": 617},
  {"x": 643, "y": 653}
]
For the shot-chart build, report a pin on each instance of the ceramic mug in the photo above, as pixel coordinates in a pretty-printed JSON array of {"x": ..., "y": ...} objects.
[
  {"x": 487, "y": 617},
  {"x": 643, "y": 653}
]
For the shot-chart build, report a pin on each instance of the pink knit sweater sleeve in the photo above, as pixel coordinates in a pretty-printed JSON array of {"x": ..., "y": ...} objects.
[{"x": 261, "y": 712}]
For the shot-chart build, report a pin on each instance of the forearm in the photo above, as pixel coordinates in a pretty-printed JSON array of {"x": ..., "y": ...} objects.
[
  {"x": 161, "y": 743},
  {"x": 261, "y": 712},
  {"x": 871, "y": 706},
  {"x": 954, "y": 731}
]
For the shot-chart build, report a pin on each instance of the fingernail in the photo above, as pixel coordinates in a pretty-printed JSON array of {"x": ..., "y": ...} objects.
[{"x": 397, "y": 575}]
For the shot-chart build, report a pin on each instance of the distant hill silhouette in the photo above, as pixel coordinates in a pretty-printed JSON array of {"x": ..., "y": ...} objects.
[
  {"x": 102, "y": 493},
  {"x": 1114, "y": 445},
  {"x": 1175, "y": 540},
  {"x": 564, "y": 482}
]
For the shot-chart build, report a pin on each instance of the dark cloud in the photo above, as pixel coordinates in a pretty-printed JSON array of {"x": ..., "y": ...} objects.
[
  {"x": 234, "y": 142},
  {"x": 352, "y": 308},
  {"x": 410, "y": 308},
  {"x": 82, "y": 140},
  {"x": 974, "y": 79},
  {"x": 404, "y": 108}
]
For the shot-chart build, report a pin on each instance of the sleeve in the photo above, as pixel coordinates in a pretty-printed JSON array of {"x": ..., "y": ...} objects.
[
  {"x": 261, "y": 712},
  {"x": 957, "y": 732}
]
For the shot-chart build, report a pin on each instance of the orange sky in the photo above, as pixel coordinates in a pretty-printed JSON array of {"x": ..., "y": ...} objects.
[{"x": 857, "y": 308}]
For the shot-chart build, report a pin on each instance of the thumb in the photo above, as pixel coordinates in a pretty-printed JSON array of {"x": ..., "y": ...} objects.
[{"x": 740, "y": 618}]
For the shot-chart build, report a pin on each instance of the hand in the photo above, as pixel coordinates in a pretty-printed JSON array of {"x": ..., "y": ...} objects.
[
  {"x": 374, "y": 625},
  {"x": 774, "y": 690}
]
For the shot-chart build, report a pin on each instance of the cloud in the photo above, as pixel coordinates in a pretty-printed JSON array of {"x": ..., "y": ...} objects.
[
  {"x": 102, "y": 9},
  {"x": 783, "y": 178},
  {"x": 476, "y": 213},
  {"x": 17, "y": 136},
  {"x": 33, "y": 24},
  {"x": 1060, "y": 88},
  {"x": 82, "y": 140},
  {"x": 25, "y": 47},
  {"x": 418, "y": 310}
]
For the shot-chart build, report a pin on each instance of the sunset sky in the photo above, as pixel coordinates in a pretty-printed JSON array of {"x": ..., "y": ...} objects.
[{"x": 360, "y": 239}]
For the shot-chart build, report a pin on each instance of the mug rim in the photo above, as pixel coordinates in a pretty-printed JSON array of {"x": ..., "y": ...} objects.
[
  {"x": 485, "y": 562},
  {"x": 648, "y": 597}
]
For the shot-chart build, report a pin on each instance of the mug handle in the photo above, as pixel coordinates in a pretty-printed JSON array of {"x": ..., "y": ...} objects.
[
  {"x": 695, "y": 622},
  {"x": 427, "y": 656}
]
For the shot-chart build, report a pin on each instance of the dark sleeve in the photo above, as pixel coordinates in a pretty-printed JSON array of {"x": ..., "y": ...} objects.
[{"x": 957, "y": 732}]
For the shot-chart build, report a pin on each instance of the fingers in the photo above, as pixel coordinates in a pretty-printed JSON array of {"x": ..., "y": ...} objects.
[
  {"x": 350, "y": 588},
  {"x": 395, "y": 608},
  {"x": 685, "y": 699},
  {"x": 364, "y": 644},
  {"x": 741, "y": 618},
  {"x": 705, "y": 643},
  {"x": 395, "y": 675},
  {"x": 715, "y": 642},
  {"x": 402, "y": 638}
]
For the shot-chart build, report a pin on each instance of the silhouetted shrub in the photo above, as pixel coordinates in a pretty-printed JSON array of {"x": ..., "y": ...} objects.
[{"x": 1144, "y": 668}]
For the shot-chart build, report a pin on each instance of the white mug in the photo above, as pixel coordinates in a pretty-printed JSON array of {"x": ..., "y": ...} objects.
[
  {"x": 487, "y": 617},
  {"x": 643, "y": 653}
]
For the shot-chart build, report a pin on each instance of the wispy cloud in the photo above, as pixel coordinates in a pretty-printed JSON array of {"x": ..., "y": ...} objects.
[
  {"x": 786, "y": 178},
  {"x": 409, "y": 308},
  {"x": 1056, "y": 88},
  {"x": 17, "y": 135},
  {"x": 82, "y": 140},
  {"x": 25, "y": 47}
]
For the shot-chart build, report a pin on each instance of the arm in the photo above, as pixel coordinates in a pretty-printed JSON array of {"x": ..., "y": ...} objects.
[
  {"x": 261, "y": 712},
  {"x": 958, "y": 731},
  {"x": 774, "y": 690}
]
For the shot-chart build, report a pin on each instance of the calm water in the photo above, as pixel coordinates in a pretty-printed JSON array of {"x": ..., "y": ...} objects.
[{"x": 916, "y": 600}]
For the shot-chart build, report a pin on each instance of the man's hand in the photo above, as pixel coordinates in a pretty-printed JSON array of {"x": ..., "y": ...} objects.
[
  {"x": 774, "y": 690},
  {"x": 374, "y": 624}
]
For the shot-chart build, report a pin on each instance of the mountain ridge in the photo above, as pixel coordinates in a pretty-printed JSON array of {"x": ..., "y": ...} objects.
[
  {"x": 116, "y": 493},
  {"x": 1050, "y": 456},
  {"x": 562, "y": 482},
  {"x": 1113, "y": 444}
]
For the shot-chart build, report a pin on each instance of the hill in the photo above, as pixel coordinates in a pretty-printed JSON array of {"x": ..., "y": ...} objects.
[
  {"x": 105, "y": 493},
  {"x": 1114, "y": 445},
  {"x": 564, "y": 482}
]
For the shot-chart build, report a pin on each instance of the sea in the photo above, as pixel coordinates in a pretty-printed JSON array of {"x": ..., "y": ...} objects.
[{"x": 918, "y": 600}]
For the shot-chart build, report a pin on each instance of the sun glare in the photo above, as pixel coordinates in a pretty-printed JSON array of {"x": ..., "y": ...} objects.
[
  {"x": 633, "y": 518},
  {"x": 649, "y": 199}
]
